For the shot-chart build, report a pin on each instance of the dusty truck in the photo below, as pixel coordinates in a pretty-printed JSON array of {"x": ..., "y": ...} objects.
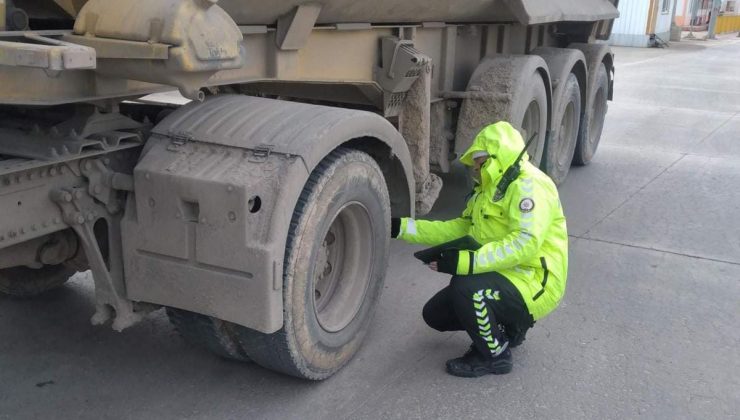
[{"x": 258, "y": 213}]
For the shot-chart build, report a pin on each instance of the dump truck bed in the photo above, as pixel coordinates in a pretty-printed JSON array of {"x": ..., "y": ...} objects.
[{"x": 260, "y": 12}]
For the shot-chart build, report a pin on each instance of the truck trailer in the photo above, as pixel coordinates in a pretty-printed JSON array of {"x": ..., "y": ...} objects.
[{"x": 258, "y": 213}]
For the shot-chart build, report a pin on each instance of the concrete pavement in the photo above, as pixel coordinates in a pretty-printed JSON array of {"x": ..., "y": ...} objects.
[{"x": 647, "y": 329}]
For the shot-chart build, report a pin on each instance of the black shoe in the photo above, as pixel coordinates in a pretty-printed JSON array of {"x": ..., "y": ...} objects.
[{"x": 473, "y": 364}]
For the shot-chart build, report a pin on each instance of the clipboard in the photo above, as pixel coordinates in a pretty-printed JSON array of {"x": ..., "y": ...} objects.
[{"x": 430, "y": 254}]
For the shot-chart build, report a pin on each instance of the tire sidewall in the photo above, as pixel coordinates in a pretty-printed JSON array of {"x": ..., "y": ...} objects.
[
  {"x": 24, "y": 282},
  {"x": 570, "y": 93},
  {"x": 590, "y": 140},
  {"x": 352, "y": 178},
  {"x": 534, "y": 89}
]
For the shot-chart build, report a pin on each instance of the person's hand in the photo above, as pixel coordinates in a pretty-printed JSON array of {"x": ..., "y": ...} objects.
[{"x": 447, "y": 262}]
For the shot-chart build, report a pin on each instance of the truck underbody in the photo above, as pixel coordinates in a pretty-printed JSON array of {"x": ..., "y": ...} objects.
[{"x": 249, "y": 213}]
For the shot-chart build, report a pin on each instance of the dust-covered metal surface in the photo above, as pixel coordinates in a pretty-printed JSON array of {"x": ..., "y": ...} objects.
[
  {"x": 46, "y": 53},
  {"x": 283, "y": 47},
  {"x": 215, "y": 194},
  {"x": 258, "y": 12},
  {"x": 195, "y": 39},
  {"x": 530, "y": 12},
  {"x": 287, "y": 127}
]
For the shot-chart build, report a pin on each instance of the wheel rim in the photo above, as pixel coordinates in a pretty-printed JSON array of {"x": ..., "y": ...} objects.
[
  {"x": 342, "y": 269},
  {"x": 567, "y": 133},
  {"x": 531, "y": 127}
]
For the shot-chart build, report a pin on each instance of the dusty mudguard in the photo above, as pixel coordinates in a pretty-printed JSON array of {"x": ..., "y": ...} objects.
[{"x": 215, "y": 192}]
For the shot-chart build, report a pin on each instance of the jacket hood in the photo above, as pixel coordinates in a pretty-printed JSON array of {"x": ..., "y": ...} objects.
[{"x": 503, "y": 143}]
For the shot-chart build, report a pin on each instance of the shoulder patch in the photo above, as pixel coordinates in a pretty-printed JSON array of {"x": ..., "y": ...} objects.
[{"x": 526, "y": 205}]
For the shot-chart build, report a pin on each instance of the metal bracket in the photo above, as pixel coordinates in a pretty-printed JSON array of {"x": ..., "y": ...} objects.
[
  {"x": 103, "y": 183},
  {"x": 261, "y": 153},
  {"x": 402, "y": 64},
  {"x": 81, "y": 213},
  {"x": 180, "y": 139},
  {"x": 294, "y": 28},
  {"x": 46, "y": 53}
]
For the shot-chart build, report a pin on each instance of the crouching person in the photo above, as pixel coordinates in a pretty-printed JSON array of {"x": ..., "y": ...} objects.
[{"x": 518, "y": 275}]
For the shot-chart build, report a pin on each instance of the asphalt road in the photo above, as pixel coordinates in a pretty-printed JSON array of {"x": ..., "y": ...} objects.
[{"x": 648, "y": 327}]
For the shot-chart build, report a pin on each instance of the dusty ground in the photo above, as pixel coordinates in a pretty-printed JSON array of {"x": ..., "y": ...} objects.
[{"x": 648, "y": 328}]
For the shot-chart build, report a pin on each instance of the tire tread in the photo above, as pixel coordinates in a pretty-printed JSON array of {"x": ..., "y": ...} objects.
[
  {"x": 275, "y": 351},
  {"x": 24, "y": 282}
]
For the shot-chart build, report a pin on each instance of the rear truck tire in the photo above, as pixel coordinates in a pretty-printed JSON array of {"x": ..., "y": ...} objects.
[
  {"x": 335, "y": 263},
  {"x": 593, "y": 123},
  {"x": 26, "y": 282},
  {"x": 507, "y": 88},
  {"x": 531, "y": 115},
  {"x": 566, "y": 122},
  {"x": 207, "y": 332}
]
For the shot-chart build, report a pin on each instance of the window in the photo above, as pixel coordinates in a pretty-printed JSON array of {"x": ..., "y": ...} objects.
[{"x": 666, "y": 6}]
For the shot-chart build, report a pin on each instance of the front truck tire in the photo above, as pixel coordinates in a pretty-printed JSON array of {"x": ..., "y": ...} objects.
[
  {"x": 26, "y": 282},
  {"x": 335, "y": 264}
]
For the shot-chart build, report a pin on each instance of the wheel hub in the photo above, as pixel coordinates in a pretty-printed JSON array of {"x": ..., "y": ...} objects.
[
  {"x": 531, "y": 127},
  {"x": 567, "y": 134},
  {"x": 342, "y": 268}
]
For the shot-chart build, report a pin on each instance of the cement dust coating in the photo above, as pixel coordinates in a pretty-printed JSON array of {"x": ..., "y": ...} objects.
[{"x": 647, "y": 329}]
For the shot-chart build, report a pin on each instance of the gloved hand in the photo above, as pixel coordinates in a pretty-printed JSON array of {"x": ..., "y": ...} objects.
[
  {"x": 395, "y": 227},
  {"x": 447, "y": 261}
]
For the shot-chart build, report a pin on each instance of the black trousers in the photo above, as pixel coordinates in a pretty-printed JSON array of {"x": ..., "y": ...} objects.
[{"x": 487, "y": 306}]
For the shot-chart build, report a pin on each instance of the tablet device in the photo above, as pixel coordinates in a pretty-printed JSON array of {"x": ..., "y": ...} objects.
[{"x": 430, "y": 254}]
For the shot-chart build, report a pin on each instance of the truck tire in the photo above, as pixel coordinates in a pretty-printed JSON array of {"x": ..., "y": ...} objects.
[
  {"x": 593, "y": 122},
  {"x": 25, "y": 282},
  {"x": 569, "y": 75},
  {"x": 531, "y": 115},
  {"x": 507, "y": 88},
  {"x": 207, "y": 332},
  {"x": 566, "y": 122},
  {"x": 335, "y": 262}
]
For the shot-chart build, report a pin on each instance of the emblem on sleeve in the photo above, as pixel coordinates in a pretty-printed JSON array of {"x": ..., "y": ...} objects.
[{"x": 526, "y": 205}]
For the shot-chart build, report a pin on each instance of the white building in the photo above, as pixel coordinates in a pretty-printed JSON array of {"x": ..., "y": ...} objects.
[{"x": 640, "y": 19}]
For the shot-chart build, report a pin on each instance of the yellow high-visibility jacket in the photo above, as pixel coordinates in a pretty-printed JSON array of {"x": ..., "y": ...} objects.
[{"x": 524, "y": 234}]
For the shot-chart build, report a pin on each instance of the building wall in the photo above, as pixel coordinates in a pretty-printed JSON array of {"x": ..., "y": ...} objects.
[
  {"x": 663, "y": 21},
  {"x": 683, "y": 11},
  {"x": 629, "y": 28},
  {"x": 636, "y": 22}
]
